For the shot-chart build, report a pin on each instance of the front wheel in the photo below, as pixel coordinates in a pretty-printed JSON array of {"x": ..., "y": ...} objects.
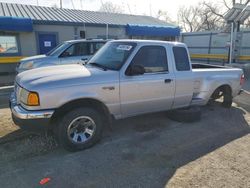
[{"x": 80, "y": 129}]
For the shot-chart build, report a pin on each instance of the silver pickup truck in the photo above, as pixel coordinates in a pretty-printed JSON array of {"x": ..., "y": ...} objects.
[{"x": 124, "y": 78}]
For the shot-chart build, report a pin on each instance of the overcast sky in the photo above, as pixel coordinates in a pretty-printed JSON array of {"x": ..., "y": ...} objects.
[{"x": 135, "y": 6}]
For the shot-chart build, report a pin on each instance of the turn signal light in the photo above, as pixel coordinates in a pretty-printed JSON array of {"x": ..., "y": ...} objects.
[{"x": 33, "y": 99}]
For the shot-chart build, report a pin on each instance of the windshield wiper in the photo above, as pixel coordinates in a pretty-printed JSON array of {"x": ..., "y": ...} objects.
[{"x": 99, "y": 65}]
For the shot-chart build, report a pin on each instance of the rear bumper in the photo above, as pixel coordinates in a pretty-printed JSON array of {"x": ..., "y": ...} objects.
[{"x": 38, "y": 120}]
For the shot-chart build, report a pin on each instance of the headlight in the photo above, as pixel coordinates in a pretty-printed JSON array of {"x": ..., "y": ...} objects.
[
  {"x": 27, "y": 65},
  {"x": 29, "y": 98}
]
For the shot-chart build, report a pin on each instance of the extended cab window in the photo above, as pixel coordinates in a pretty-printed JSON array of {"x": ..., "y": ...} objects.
[
  {"x": 181, "y": 59},
  {"x": 152, "y": 58}
]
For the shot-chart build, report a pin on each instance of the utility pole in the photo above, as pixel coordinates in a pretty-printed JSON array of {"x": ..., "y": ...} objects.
[
  {"x": 231, "y": 43},
  {"x": 150, "y": 9},
  {"x": 60, "y": 3},
  {"x": 81, "y": 3}
]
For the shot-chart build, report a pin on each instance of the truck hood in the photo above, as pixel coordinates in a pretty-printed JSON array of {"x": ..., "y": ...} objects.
[
  {"x": 32, "y": 58},
  {"x": 61, "y": 76}
]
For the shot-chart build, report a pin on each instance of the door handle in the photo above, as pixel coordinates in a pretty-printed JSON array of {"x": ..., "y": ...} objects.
[{"x": 168, "y": 80}]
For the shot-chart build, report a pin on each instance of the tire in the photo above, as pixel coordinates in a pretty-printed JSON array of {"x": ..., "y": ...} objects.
[
  {"x": 227, "y": 98},
  {"x": 224, "y": 92},
  {"x": 74, "y": 131},
  {"x": 190, "y": 114}
]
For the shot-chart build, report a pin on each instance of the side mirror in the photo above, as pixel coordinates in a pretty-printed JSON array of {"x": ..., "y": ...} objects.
[
  {"x": 84, "y": 61},
  {"x": 134, "y": 70}
]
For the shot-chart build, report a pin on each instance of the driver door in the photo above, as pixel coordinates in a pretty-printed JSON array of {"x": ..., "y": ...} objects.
[{"x": 152, "y": 91}]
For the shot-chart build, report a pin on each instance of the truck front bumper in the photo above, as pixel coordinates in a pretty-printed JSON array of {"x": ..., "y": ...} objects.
[{"x": 30, "y": 120}]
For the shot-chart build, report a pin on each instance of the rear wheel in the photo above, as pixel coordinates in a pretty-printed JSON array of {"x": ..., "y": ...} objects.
[
  {"x": 225, "y": 94},
  {"x": 227, "y": 98},
  {"x": 80, "y": 129}
]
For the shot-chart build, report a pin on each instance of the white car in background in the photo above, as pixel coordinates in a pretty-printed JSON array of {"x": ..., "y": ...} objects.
[{"x": 68, "y": 52}]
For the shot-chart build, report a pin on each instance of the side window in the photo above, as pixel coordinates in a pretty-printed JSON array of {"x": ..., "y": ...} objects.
[
  {"x": 181, "y": 59},
  {"x": 78, "y": 49},
  {"x": 81, "y": 49},
  {"x": 94, "y": 47},
  {"x": 98, "y": 46},
  {"x": 152, "y": 58}
]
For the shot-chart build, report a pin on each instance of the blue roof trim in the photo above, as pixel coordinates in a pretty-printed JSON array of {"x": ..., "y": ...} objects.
[
  {"x": 16, "y": 24},
  {"x": 152, "y": 30}
]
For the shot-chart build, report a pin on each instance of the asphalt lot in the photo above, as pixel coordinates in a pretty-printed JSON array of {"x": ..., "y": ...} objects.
[{"x": 145, "y": 151}]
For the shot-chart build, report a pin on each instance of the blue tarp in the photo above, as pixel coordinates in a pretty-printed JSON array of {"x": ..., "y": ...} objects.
[
  {"x": 16, "y": 24},
  {"x": 152, "y": 30}
]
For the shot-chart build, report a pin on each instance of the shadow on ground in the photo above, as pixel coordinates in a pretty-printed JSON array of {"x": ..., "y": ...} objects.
[{"x": 144, "y": 151}]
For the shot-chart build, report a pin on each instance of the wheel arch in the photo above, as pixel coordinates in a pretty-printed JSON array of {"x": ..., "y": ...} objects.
[{"x": 83, "y": 102}]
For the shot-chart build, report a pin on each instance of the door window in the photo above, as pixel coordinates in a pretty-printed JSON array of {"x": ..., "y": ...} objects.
[
  {"x": 94, "y": 47},
  {"x": 152, "y": 58},
  {"x": 78, "y": 49},
  {"x": 181, "y": 59}
]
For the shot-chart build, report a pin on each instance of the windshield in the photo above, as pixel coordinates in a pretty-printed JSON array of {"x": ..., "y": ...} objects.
[
  {"x": 113, "y": 55},
  {"x": 57, "y": 49}
]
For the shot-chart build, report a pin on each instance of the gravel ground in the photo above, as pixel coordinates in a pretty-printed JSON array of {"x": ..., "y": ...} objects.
[
  {"x": 145, "y": 151},
  {"x": 228, "y": 166}
]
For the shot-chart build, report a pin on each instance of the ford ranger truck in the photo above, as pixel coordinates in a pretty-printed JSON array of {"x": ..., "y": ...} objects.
[{"x": 124, "y": 78}]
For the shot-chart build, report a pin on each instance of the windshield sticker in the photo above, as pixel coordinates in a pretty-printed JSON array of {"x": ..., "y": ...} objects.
[{"x": 124, "y": 47}]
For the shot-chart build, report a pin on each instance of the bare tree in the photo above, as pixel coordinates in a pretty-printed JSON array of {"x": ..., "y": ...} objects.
[
  {"x": 206, "y": 15},
  {"x": 111, "y": 8},
  {"x": 163, "y": 15},
  {"x": 227, "y": 5},
  {"x": 189, "y": 18}
]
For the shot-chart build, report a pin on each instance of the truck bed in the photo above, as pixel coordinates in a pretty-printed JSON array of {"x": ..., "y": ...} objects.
[{"x": 208, "y": 77}]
